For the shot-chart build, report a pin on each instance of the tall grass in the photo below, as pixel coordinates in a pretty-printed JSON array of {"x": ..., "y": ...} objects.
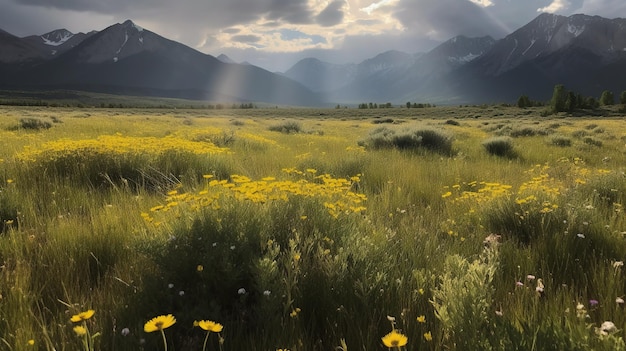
[{"x": 310, "y": 241}]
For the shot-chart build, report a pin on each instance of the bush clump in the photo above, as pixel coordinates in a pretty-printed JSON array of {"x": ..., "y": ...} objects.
[
  {"x": 33, "y": 124},
  {"x": 592, "y": 141},
  {"x": 287, "y": 127},
  {"x": 560, "y": 140},
  {"x": 499, "y": 146},
  {"x": 423, "y": 138},
  {"x": 528, "y": 131}
]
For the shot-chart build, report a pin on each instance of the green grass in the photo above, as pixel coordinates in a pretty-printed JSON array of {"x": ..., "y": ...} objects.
[{"x": 138, "y": 234}]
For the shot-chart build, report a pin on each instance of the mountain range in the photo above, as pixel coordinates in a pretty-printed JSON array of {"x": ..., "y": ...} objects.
[
  {"x": 127, "y": 59},
  {"x": 586, "y": 53}
]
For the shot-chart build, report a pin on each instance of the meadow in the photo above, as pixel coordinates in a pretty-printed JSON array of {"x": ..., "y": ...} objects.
[{"x": 444, "y": 228}]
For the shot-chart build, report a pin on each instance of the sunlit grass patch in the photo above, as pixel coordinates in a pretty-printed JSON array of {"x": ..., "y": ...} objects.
[
  {"x": 119, "y": 158},
  {"x": 309, "y": 241}
]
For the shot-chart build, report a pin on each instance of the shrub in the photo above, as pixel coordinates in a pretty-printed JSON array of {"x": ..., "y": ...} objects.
[
  {"x": 579, "y": 133},
  {"x": 287, "y": 127},
  {"x": 435, "y": 140},
  {"x": 33, "y": 124},
  {"x": 429, "y": 139},
  {"x": 379, "y": 138},
  {"x": 592, "y": 141},
  {"x": 499, "y": 146},
  {"x": 453, "y": 122},
  {"x": 382, "y": 121},
  {"x": 526, "y": 131},
  {"x": 560, "y": 140}
]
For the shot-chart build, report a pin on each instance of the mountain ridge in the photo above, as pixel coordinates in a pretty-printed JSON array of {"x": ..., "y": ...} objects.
[
  {"x": 127, "y": 59},
  {"x": 579, "y": 51}
]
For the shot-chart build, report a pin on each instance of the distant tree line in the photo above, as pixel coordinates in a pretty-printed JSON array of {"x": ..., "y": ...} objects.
[
  {"x": 370, "y": 105},
  {"x": 524, "y": 102},
  {"x": 568, "y": 101},
  {"x": 416, "y": 105},
  {"x": 129, "y": 104},
  {"x": 244, "y": 106}
]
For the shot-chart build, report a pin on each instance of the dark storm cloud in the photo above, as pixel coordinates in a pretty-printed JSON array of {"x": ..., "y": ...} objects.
[
  {"x": 332, "y": 14},
  {"x": 290, "y": 11},
  {"x": 108, "y": 7},
  {"x": 444, "y": 19},
  {"x": 246, "y": 38},
  {"x": 212, "y": 13}
]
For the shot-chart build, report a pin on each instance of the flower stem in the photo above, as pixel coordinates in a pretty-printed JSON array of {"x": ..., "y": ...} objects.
[
  {"x": 206, "y": 338},
  {"x": 164, "y": 340}
]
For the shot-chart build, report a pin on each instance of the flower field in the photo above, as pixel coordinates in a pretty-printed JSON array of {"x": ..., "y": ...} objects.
[{"x": 295, "y": 229}]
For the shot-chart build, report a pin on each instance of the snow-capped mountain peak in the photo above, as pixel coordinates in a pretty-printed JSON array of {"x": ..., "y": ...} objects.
[{"x": 57, "y": 37}]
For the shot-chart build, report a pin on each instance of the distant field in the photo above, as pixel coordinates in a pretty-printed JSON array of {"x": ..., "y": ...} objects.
[{"x": 459, "y": 228}]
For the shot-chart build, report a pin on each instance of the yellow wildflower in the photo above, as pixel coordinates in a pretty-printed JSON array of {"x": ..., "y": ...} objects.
[
  {"x": 80, "y": 330},
  {"x": 395, "y": 339},
  {"x": 159, "y": 323},
  {"x": 83, "y": 316},
  {"x": 295, "y": 312},
  {"x": 210, "y": 326},
  {"x": 421, "y": 319},
  {"x": 428, "y": 336}
]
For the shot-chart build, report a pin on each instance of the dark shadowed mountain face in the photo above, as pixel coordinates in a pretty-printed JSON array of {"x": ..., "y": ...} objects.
[
  {"x": 548, "y": 34},
  {"x": 127, "y": 59},
  {"x": 14, "y": 50},
  {"x": 549, "y": 50}
]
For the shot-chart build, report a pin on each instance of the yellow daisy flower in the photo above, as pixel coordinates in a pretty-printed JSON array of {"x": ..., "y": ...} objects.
[
  {"x": 210, "y": 326},
  {"x": 395, "y": 339},
  {"x": 83, "y": 316},
  {"x": 80, "y": 330},
  {"x": 159, "y": 323}
]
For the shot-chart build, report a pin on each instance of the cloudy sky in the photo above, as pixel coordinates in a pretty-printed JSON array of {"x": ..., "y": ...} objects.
[{"x": 274, "y": 34}]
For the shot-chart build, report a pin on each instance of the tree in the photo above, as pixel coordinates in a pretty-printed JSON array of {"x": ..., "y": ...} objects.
[
  {"x": 559, "y": 95},
  {"x": 622, "y": 98},
  {"x": 591, "y": 102},
  {"x": 408, "y": 104},
  {"x": 607, "y": 98},
  {"x": 523, "y": 102},
  {"x": 571, "y": 102}
]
